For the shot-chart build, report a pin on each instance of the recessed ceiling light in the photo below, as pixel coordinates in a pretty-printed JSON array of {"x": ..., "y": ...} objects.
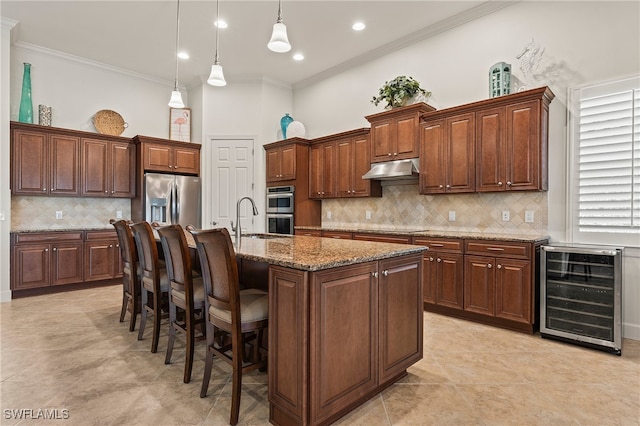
[
  {"x": 298, "y": 57},
  {"x": 183, "y": 55},
  {"x": 359, "y": 26},
  {"x": 220, "y": 23}
]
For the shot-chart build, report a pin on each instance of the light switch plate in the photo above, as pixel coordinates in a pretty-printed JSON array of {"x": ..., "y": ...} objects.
[
  {"x": 58, "y": 214},
  {"x": 368, "y": 214},
  {"x": 119, "y": 214},
  {"x": 452, "y": 215},
  {"x": 328, "y": 214}
]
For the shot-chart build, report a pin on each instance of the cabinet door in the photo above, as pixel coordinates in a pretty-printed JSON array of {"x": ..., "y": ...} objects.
[
  {"x": 460, "y": 154},
  {"x": 64, "y": 165},
  {"x": 95, "y": 168},
  {"x": 449, "y": 282},
  {"x": 99, "y": 260},
  {"x": 479, "y": 284},
  {"x": 122, "y": 170},
  {"x": 31, "y": 266},
  {"x": 381, "y": 140},
  {"x": 400, "y": 329},
  {"x": 288, "y": 163},
  {"x": 273, "y": 165},
  {"x": 523, "y": 146},
  {"x": 429, "y": 278},
  {"x": 360, "y": 164},
  {"x": 513, "y": 290},
  {"x": 315, "y": 172},
  {"x": 405, "y": 140},
  {"x": 30, "y": 163},
  {"x": 66, "y": 263},
  {"x": 344, "y": 305},
  {"x": 490, "y": 150},
  {"x": 329, "y": 170},
  {"x": 432, "y": 159},
  {"x": 186, "y": 160},
  {"x": 344, "y": 168},
  {"x": 158, "y": 158}
]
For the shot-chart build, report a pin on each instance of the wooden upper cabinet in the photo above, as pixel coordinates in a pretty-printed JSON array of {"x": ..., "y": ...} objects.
[
  {"x": 173, "y": 159},
  {"x": 395, "y": 134},
  {"x": 44, "y": 164},
  {"x": 512, "y": 144},
  {"x": 108, "y": 169},
  {"x": 447, "y": 163},
  {"x": 281, "y": 163},
  {"x": 338, "y": 163}
]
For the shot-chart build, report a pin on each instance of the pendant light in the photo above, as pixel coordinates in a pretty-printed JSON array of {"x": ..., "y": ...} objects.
[
  {"x": 216, "y": 78},
  {"x": 279, "y": 41},
  {"x": 176, "y": 96}
]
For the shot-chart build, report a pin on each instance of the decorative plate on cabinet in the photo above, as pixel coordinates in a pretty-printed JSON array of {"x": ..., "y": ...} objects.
[{"x": 109, "y": 122}]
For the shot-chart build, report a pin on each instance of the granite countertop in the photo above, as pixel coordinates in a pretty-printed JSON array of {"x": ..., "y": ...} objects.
[
  {"x": 426, "y": 233},
  {"x": 88, "y": 228},
  {"x": 313, "y": 253}
]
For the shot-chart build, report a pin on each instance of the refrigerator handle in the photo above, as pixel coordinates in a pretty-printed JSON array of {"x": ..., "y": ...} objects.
[{"x": 175, "y": 204}]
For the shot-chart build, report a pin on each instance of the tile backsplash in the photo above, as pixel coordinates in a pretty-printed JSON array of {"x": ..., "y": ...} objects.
[
  {"x": 402, "y": 207},
  {"x": 39, "y": 213}
]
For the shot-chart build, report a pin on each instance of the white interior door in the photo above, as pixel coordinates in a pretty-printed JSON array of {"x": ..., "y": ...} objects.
[{"x": 230, "y": 178}]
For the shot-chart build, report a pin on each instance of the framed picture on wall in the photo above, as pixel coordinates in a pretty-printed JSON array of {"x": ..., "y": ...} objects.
[{"x": 180, "y": 124}]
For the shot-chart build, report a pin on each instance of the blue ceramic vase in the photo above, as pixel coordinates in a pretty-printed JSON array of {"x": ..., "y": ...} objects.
[
  {"x": 26, "y": 104},
  {"x": 284, "y": 123}
]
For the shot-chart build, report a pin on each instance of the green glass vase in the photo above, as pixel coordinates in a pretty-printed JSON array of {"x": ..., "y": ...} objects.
[{"x": 26, "y": 104}]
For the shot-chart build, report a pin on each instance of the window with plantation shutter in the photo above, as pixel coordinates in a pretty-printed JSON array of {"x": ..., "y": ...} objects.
[{"x": 605, "y": 182}]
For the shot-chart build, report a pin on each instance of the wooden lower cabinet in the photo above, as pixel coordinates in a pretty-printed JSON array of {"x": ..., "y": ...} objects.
[
  {"x": 41, "y": 260},
  {"x": 309, "y": 232},
  {"x": 338, "y": 235},
  {"x": 340, "y": 335},
  {"x": 443, "y": 272},
  {"x": 102, "y": 256},
  {"x": 46, "y": 259}
]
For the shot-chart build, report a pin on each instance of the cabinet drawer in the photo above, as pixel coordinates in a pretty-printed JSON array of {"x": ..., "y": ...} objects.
[
  {"x": 437, "y": 244},
  {"x": 101, "y": 235},
  {"x": 338, "y": 234},
  {"x": 383, "y": 238},
  {"x": 37, "y": 237},
  {"x": 498, "y": 248},
  {"x": 308, "y": 232}
]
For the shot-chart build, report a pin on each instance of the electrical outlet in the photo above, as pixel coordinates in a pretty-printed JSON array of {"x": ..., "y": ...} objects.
[
  {"x": 506, "y": 216},
  {"x": 58, "y": 214},
  {"x": 452, "y": 215},
  {"x": 328, "y": 214},
  {"x": 367, "y": 215},
  {"x": 119, "y": 214},
  {"x": 528, "y": 216}
]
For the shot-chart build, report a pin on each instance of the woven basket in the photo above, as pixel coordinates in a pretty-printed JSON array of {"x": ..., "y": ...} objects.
[{"x": 109, "y": 122}]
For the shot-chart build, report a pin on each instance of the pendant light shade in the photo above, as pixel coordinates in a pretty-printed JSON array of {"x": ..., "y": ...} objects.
[
  {"x": 279, "y": 41},
  {"x": 176, "y": 96},
  {"x": 216, "y": 78},
  {"x": 176, "y": 99}
]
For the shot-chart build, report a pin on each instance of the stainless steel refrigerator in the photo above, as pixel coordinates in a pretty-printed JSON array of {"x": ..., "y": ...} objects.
[{"x": 172, "y": 199}]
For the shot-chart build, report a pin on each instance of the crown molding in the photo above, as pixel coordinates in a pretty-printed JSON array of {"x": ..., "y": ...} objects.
[
  {"x": 461, "y": 18},
  {"x": 94, "y": 64}
]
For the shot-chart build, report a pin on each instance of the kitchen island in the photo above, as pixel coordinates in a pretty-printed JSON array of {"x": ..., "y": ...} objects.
[{"x": 345, "y": 321}]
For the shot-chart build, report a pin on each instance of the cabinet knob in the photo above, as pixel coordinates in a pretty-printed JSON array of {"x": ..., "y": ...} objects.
[
  {"x": 44, "y": 189},
  {"x": 440, "y": 186},
  {"x": 54, "y": 249},
  {"x": 53, "y": 189},
  {"x": 374, "y": 274},
  {"x": 389, "y": 154},
  {"x": 489, "y": 266},
  {"x": 106, "y": 192},
  {"x": 439, "y": 260},
  {"x": 430, "y": 259},
  {"x": 46, "y": 250},
  {"x": 110, "y": 245},
  {"x": 175, "y": 167},
  {"x": 499, "y": 266},
  {"x": 385, "y": 273},
  {"x": 448, "y": 186},
  {"x": 499, "y": 183},
  {"x": 508, "y": 183},
  {"x": 395, "y": 153},
  {"x": 113, "y": 192},
  {"x": 170, "y": 166}
]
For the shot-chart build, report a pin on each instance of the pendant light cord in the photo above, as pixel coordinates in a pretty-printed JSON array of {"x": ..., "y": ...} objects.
[
  {"x": 215, "y": 61},
  {"x": 177, "y": 42}
]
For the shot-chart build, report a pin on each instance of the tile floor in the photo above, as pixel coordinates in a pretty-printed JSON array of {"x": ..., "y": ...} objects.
[{"x": 68, "y": 351}]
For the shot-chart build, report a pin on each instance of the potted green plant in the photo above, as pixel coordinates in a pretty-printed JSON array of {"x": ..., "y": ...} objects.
[{"x": 398, "y": 91}]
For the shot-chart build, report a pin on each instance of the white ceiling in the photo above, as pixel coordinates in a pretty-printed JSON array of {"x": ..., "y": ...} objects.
[{"x": 139, "y": 36}]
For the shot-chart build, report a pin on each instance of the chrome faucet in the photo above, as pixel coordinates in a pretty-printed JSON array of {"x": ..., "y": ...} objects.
[{"x": 238, "y": 228}]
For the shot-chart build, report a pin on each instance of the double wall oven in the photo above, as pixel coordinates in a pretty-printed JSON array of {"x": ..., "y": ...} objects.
[{"x": 280, "y": 209}]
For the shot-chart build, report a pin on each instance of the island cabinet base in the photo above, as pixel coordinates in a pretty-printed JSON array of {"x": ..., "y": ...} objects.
[{"x": 337, "y": 337}]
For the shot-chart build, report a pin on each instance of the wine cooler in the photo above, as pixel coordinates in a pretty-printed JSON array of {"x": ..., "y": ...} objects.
[{"x": 581, "y": 295}]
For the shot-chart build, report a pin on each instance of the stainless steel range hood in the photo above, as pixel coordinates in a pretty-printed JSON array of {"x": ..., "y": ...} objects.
[{"x": 390, "y": 170}]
